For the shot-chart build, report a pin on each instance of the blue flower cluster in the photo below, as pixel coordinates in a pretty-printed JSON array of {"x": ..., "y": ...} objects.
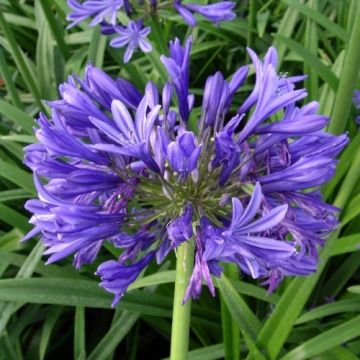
[
  {"x": 114, "y": 164},
  {"x": 134, "y": 35}
]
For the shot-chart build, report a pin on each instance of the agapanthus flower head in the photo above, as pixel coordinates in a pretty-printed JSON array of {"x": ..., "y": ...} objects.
[
  {"x": 132, "y": 34},
  {"x": 116, "y": 165}
]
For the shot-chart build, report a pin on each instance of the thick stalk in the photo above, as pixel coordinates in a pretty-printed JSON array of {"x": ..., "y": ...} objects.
[
  {"x": 348, "y": 78},
  {"x": 181, "y": 312}
]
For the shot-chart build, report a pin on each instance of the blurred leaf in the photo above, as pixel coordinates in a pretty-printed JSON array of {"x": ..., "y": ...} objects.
[
  {"x": 26, "y": 270},
  {"x": 311, "y": 60},
  {"x": 55, "y": 28},
  {"x": 346, "y": 244},
  {"x": 11, "y": 240},
  {"x": 354, "y": 289},
  {"x": 112, "y": 338},
  {"x": 17, "y": 176},
  {"x": 325, "y": 341},
  {"x": 318, "y": 17},
  {"x": 338, "y": 307},
  {"x": 262, "y": 20},
  {"x": 47, "y": 329},
  {"x": 14, "y": 218},
  {"x": 18, "y": 117}
]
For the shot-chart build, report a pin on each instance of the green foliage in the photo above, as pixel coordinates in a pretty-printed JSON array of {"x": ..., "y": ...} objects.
[{"x": 47, "y": 308}]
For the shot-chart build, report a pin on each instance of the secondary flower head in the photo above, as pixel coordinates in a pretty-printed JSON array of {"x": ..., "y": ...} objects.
[
  {"x": 217, "y": 12},
  {"x": 98, "y": 10},
  {"x": 114, "y": 165},
  {"x": 356, "y": 102},
  {"x": 132, "y": 36},
  {"x": 356, "y": 99}
]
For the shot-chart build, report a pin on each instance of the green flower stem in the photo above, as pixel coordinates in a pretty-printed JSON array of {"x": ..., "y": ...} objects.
[
  {"x": 348, "y": 78},
  {"x": 181, "y": 312}
]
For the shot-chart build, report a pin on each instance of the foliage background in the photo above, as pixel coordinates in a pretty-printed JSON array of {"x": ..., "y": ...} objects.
[{"x": 56, "y": 312}]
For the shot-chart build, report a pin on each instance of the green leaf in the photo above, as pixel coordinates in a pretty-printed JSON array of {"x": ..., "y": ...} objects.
[
  {"x": 8, "y": 78},
  {"x": 338, "y": 307},
  {"x": 11, "y": 241},
  {"x": 47, "y": 329},
  {"x": 14, "y": 218},
  {"x": 162, "y": 277},
  {"x": 328, "y": 95},
  {"x": 21, "y": 61},
  {"x": 311, "y": 44},
  {"x": 45, "y": 63},
  {"x": 27, "y": 139},
  {"x": 352, "y": 210},
  {"x": 97, "y": 48},
  {"x": 319, "y": 18},
  {"x": 26, "y": 270},
  {"x": 17, "y": 176},
  {"x": 239, "y": 310},
  {"x": 312, "y": 60},
  {"x": 262, "y": 21},
  {"x": 17, "y": 116},
  {"x": 348, "y": 79},
  {"x": 346, "y": 159},
  {"x": 119, "y": 329},
  {"x": 230, "y": 331},
  {"x": 55, "y": 28},
  {"x": 79, "y": 333},
  {"x": 212, "y": 352},
  {"x": 8, "y": 347},
  {"x": 325, "y": 341},
  {"x": 154, "y": 58},
  {"x": 286, "y": 29},
  {"x": 346, "y": 244},
  {"x": 354, "y": 289}
]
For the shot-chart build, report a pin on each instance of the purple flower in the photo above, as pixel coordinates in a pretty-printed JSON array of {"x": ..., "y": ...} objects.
[
  {"x": 183, "y": 154},
  {"x": 99, "y": 10},
  {"x": 180, "y": 229},
  {"x": 356, "y": 99},
  {"x": 202, "y": 269},
  {"x": 177, "y": 66},
  {"x": 221, "y": 11},
  {"x": 132, "y": 36},
  {"x": 117, "y": 164},
  {"x": 240, "y": 242},
  {"x": 116, "y": 277}
]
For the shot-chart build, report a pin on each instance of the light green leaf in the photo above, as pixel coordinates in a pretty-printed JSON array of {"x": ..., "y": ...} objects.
[
  {"x": 325, "y": 341},
  {"x": 319, "y": 18},
  {"x": 239, "y": 310},
  {"x": 341, "y": 306},
  {"x": 346, "y": 244}
]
